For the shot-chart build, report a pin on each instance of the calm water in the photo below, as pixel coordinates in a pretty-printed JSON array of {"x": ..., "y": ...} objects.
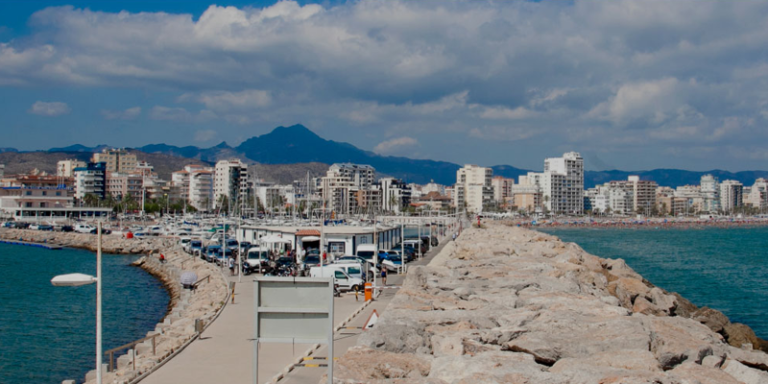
[
  {"x": 725, "y": 269},
  {"x": 47, "y": 333}
]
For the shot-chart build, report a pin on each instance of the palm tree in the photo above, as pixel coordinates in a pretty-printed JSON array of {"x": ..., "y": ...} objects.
[{"x": 91, "y": 200}]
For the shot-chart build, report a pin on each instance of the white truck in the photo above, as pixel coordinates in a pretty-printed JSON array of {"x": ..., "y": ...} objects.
[{"x": 344, "y": 281}]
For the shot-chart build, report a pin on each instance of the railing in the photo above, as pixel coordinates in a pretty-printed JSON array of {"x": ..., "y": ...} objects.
[
  {"x": 207, "y": 280},
  {"x": 112, "y": 351}
]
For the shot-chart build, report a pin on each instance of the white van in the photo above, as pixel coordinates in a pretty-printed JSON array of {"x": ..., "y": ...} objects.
[
  {"x": 366, "y": 251},
  {"x": 345, "y": 281}
]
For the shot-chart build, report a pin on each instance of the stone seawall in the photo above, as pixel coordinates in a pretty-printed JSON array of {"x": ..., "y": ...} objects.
[
  {"x": 504, "y": 304},
  {"x": 177, "y": 328}
]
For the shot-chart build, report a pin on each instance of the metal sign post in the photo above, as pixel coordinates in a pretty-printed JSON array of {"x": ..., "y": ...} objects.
[{"x": 293, "y": 310}]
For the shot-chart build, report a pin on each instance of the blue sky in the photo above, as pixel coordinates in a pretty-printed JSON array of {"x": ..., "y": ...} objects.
[{"x": 630, "y": 85}]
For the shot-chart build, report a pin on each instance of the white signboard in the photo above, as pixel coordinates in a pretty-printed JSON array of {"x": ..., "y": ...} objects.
[{"x": 293, "y": 310}]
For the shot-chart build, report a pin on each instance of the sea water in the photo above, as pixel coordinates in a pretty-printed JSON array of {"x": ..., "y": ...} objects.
[
  {"x": 722, "y": 268},
  {"x": 47, "y": 333}
]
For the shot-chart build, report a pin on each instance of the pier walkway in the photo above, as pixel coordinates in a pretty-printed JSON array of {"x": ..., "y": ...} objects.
[{"x": 224, "y": 353}]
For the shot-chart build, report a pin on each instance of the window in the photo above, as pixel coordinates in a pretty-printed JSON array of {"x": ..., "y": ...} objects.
[
  {"x": 28, "y": 205},
  {"x": 337, "y": 247},
  {"x": 28, "y": 193},
  {"x": 339, "y": 275}
]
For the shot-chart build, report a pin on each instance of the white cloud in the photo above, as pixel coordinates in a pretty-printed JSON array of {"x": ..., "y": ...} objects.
[
  {"x": 226, "y": 101},
  {"x": 128, "y": 114},
  {"x": 395, "y": 145},
  {"x": 53, "y": 108},
  {"x": 180, "y": 115},
  {"x": 650, "y": 100},
  {"x": 506, "y": 113},
  {"x": 204, "y": 135}
]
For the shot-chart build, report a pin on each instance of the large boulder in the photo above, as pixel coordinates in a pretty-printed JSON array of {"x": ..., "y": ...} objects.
[{"x": 712, "y": 318}]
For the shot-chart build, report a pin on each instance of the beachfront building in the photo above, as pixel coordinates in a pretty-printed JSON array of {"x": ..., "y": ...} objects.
[
  {"x": 368, "y": 201},
  {"x": 32, "y": 200},
  {"x": 691, "y": 194},
  {"x": 91, "y": 180},
  {"x": 641, "y": 192},
  {"x": 473, "y": 188},
  {"x": 116, "y": 160},
  {"x": 710, "y": 192},
  {"x": 122, "y": 185},
  {"x": 395, "y": 194},
  {"x": 526, "y": 194},
  {"x": 341, "y": 184},
  {"x": 66, "y": 168},
  {"x": 731, "y": 195},
  {"x": 338, "y": 240},
  {"x": 434, "y": 200},
  {"x": 230, "y": 183},
  {"x": 562, "y": 184},
  {"x": 502, "y": 189},
  {"x": 758, "y": 195},
  {"x": 195, "y": 186}
]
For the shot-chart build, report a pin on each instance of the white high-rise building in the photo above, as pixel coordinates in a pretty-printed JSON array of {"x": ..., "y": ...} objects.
[
  {"x": 731, "y": 195},
  {"x": 563, "y": 184},
  {"x": 758, "y": 194},
  {"x": 195, "y": 185},
  {"x": 231, "y": 182},
  {"x": 342, "y": 183},
  {"x": 710, "y": 191},
  {"x": 2, "y": 171},
  {"x": 473, "y": 188},
  {"x": 65, "y": 168},
  {"x": 395, "y": 194}
]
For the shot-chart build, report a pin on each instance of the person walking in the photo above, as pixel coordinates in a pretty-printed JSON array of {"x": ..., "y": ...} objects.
[
  {"x": 162, "y": 259},
  {"x": 383, "y": 275},
  {"x": 231, "y": 266}
]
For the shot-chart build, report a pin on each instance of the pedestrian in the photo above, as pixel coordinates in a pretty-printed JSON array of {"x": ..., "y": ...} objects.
[
  {"x": 162, "y": 259},
  {"x": 383, "y": 275},
  {"x": 454, "y": 236},
  {"x": 231, "y": 266}
]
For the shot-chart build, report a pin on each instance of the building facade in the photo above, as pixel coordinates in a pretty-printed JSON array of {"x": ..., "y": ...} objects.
[
  {"x": 563, "y": 184},
  {"x": 65, "y": 168},
  {"x": 230, "y": 182},
  {"x": 502, "y": 189},
  {"x": 473, "y": 189},
  {"x": 395, "y": 194},
  {"x": 91, "y": 180},
  {"x": 710, "y": 192},
  {"x": 731, "y": 195},
  {"x": 116, "y": 160}
]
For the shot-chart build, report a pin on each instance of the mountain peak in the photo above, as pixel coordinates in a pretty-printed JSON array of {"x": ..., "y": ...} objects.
[
  {"x": 293, "y": 131},
  {"x": 222, "y": 145}
]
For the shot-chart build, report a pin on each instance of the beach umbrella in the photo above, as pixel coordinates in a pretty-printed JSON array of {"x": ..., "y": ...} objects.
[{"x": 188, "y": 278}]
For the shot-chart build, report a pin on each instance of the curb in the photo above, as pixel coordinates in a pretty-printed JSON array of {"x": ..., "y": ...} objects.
[{"x": 290, "y": 367}]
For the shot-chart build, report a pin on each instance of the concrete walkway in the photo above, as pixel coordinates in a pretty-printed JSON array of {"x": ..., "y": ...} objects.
[
  {"x": 347, "y": 338},
  {"x": 224, "y": 353}
]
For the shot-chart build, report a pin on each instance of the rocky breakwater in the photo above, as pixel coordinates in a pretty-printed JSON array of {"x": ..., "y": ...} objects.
[
  {"x": 504, "y": 304},
  {"x": 177, "y": 329}
]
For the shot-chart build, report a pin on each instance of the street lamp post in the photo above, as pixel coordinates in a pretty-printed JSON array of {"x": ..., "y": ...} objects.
[{"x": 78, "y": 279}]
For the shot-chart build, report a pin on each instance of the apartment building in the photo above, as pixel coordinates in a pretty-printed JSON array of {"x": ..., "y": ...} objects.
[
  {"x": 195, "y": 186},
  {"x": 122, "y": 185},
  {"x": 502, "y": 189},
  {"x": 758, "y": 194},
  {"x": 473, "y": 188},
  {"x": 731, "y": 195},
  {"x": 395, "y": 194},
  {"x": 230, "y": 182},
  {"x": 65, "y": 168},
  {"x": 91, "y": 179},
  {"x": 562, "y": 184},
  {"x": 710, "y": 192},
  {"x": 341, "y": 184},
  {"x": 116, "y": 160}
]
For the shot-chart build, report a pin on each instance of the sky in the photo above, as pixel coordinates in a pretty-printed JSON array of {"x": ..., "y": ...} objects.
[{"x": 631, "y": 85}]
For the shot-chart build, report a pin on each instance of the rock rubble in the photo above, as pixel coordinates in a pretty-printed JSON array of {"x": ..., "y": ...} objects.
[
  {"x": 178, "y": 326},
  {"x": 511, "y": 305}
]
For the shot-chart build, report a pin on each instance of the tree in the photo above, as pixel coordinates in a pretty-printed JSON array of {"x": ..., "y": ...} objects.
[{"x": 90, "y": 200}]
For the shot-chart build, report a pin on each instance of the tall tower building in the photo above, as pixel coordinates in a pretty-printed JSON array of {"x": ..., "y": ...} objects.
[{"x": 563, "y": 184}]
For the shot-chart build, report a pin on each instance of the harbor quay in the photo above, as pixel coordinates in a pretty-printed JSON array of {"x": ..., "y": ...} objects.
[{"x": 508, "y": 304}]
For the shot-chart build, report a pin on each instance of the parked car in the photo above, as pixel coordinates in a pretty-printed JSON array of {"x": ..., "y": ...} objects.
[
  {"x": 85, "y": 228},
  {"x": 45, "y": 227},
  {"x": 311, "y": 261},
  {"x": 195, "y": 246},
  {"x": 66, "y": 228},
  {"x": 344, "y": 281},
  {"x": 231, "y": 244}
]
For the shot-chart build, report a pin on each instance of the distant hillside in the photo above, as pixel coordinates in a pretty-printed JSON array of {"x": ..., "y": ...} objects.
[{"x": 287, "y": 153}]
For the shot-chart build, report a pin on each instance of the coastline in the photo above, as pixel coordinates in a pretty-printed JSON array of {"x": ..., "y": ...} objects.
[
  {"x": 629, "y": 223},
  {"x": 506, "y": 304},
  {"x": 177, "y": 328}
]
